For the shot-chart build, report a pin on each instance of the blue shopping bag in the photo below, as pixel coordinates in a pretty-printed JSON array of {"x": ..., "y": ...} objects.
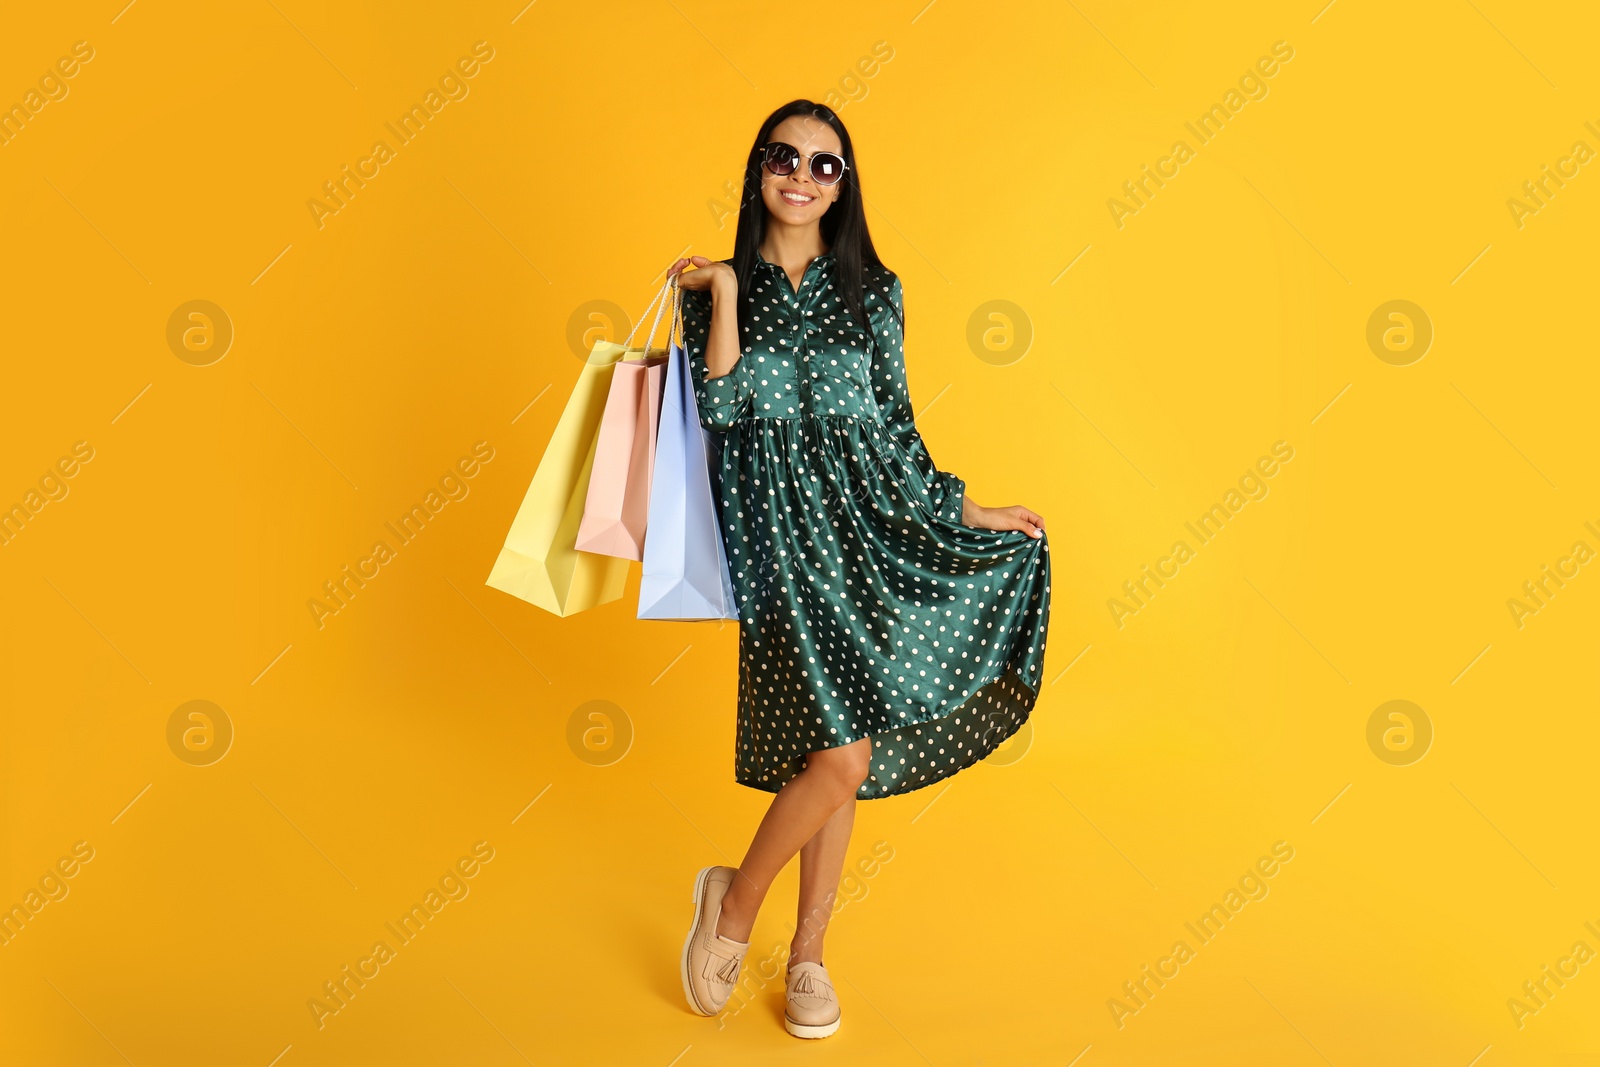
[{"x": 685, "y": 575}]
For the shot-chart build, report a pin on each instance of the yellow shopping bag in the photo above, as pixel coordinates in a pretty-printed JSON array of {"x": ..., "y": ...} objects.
[{"x": 539, "y": 562}]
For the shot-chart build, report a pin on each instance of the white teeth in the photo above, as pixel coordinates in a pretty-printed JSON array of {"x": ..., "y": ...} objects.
[{"x": 798, "y": 198}]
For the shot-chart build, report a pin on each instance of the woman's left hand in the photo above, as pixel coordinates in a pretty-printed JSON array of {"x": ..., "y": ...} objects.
[{"x": 1014, "y": 517}]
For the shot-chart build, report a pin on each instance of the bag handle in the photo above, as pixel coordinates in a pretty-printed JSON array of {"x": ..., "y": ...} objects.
[
  {"x": 628, "y": 341},
  {"x": 677, "y": 313},
  {"x": 661, "y": 308}
]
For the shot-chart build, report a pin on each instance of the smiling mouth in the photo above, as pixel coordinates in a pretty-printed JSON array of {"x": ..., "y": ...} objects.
[{"x": 798, "y": 199}]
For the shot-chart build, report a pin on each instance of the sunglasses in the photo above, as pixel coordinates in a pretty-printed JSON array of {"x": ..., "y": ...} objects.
[{"x": 783, "y": 159}]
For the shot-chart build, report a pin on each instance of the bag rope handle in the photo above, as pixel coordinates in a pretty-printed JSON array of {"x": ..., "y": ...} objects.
[
  {"x": 643, "y": 315},
  {"x": 677, "y": 314}
]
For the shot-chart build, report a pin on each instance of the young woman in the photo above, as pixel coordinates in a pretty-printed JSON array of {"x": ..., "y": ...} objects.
[{"x": 891, "y": 629}]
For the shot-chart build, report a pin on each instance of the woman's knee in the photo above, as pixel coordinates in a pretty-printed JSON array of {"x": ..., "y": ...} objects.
[{"x": 844, "y": 767}]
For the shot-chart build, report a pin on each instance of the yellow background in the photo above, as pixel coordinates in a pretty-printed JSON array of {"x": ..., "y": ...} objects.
[{"x": 1228, "y": 714}]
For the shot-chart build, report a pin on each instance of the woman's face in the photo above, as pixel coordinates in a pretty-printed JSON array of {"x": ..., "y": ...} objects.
[{"x": 794, "y": 198}]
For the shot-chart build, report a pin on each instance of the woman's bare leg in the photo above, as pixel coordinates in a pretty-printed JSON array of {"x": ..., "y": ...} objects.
[
  {"x": 821, "y": 864},
  {"x": 801, "y": 808}
]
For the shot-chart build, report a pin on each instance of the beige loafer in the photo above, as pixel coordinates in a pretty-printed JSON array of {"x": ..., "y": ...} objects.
[
  {"x": 711, "y": 962},
  {"x": 811, "y": 1009}
]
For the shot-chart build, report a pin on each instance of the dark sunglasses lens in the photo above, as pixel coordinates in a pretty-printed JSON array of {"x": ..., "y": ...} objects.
[
  {"x": 826, "y": 168},
  {"x": 781, "y": 159}
]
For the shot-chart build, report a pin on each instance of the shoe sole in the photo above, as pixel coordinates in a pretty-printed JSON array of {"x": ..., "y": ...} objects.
[
  {"x": 799, "y": 1030},
  {"x": 683, "y": 963}
]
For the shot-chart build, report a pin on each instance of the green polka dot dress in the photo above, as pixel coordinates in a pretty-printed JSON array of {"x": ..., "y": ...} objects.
[{"x": 866, "y": 607}]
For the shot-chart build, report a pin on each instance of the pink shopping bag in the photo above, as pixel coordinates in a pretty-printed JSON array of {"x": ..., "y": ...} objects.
[{"x": 618, "y": 503}]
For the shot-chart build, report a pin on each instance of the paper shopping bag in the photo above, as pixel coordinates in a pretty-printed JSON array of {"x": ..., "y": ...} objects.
[
  {"x": 685, "y": 563},
  {"x": 539, "y": 562},
  {"x": 618, "y": 503}
]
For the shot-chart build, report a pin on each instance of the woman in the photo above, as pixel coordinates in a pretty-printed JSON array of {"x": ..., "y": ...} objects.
[{"x": 891, "y": 629}]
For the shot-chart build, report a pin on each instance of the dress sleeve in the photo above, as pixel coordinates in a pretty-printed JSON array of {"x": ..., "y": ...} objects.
[
  {"x": 946, "y": 492},
  {"x": 721, "y": 400}
]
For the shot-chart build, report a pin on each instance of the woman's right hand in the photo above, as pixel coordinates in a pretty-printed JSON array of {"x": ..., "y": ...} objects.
[{"x": 709, "y": 275}]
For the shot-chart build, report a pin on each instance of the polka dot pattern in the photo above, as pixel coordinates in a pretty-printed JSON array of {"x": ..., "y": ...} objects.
[{"x": 866, "y": 607}]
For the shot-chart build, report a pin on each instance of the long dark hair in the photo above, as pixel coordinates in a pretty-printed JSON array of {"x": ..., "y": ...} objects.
[{"x": 844, "y": 225}]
